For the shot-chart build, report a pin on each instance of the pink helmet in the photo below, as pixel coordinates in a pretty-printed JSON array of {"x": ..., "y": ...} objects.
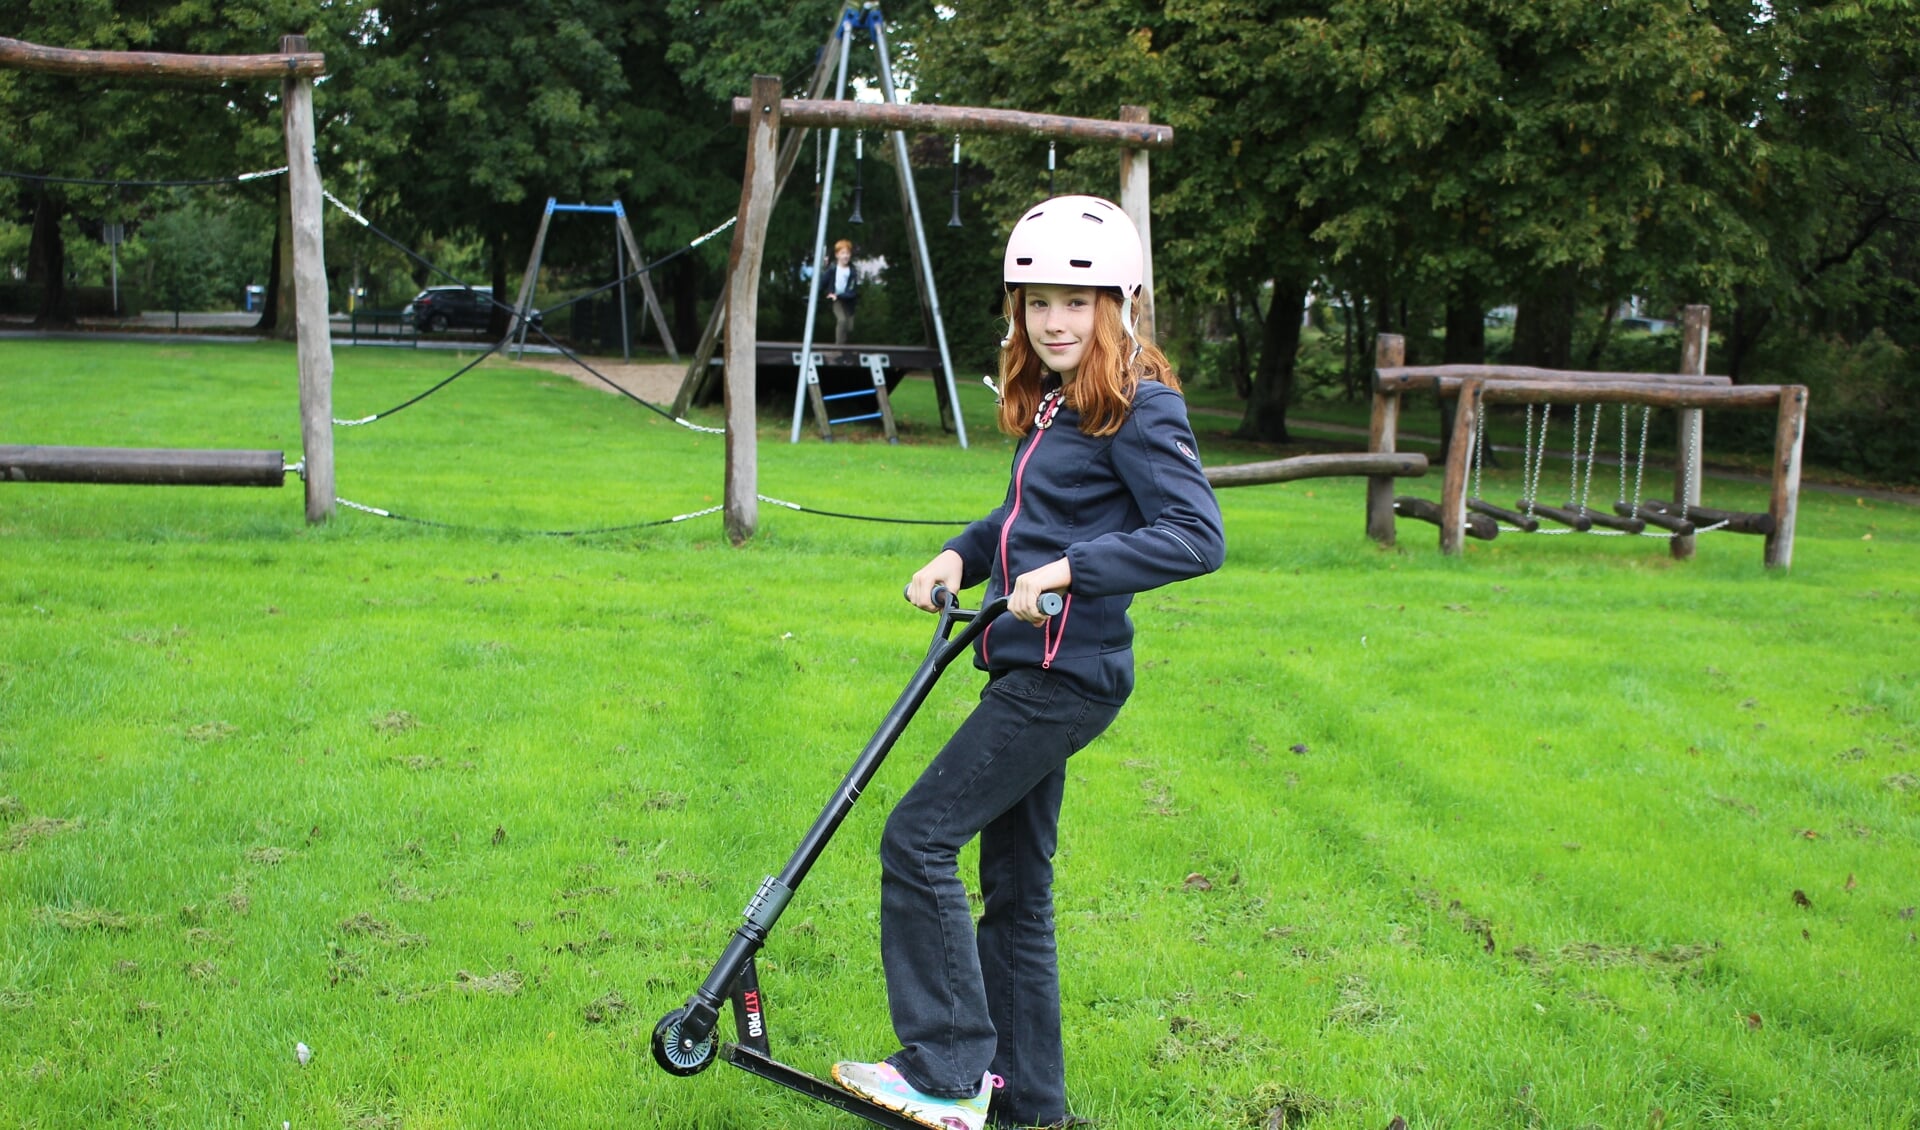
[{"x": 1076, "y": 241}]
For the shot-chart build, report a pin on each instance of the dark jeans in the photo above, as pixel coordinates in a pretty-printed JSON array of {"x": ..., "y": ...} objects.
[{"x": 966, "y": 1001}]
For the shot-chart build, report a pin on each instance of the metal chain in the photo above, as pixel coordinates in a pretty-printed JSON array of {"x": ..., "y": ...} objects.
[
  {"x": 1593, "y": 448},
  {"x": 1640, "y": 465},
  {"x": 1479, "y": 451},
  {"x": 1687, "y": 484},
  {"x": 1573, "y": 470},
  {"x": 1526, "y": 463},
  {"x": 1622, "y": 496}
]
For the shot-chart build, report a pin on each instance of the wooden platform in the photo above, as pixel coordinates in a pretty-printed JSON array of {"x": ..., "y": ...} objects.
[{"x": 840, "y": 368}]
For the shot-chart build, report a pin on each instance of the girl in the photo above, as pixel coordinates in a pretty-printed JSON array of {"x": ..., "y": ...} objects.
[{"x": 1107, "y": 500}]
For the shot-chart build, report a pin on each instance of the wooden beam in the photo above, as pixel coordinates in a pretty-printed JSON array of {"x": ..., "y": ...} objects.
[
  {"x": 1655, "y": 516},
  {"x": 1502, "y": 514},
  {"x": 1453, "y": 488},
  {"x": 1789, "y": 433},
  {"x": 1388, "y": 466},
  {"x": 1476, "y": 526},
  {"x": 1691, "y": 430},
  {"x": 1446, "y": 379},
  {"x": 139, "y": 466},
  {"x": 1136, "y": 200},
  {"x": 1580, "y": 520},
  {"x": 742, "y": 503},
  {"x": 926, "y": 117},
  {"x": 314, "y": 346},
  {"x": 20, "y": 55},
  {"x": 1383, "y": 429},
  {"x": 1733, "y": 521},
  {"x": 1631, "y": 392}
]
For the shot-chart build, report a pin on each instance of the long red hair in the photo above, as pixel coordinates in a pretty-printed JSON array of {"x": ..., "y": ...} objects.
[{"x": 1102, "y": 389}]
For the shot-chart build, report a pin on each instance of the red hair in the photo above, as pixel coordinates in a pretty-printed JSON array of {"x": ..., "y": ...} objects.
[{"x": 1103, "y": 387}]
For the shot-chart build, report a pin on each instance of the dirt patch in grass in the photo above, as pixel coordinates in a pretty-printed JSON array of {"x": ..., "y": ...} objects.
[
  {"x": 505, "y": 983},
  {"x": 80, "y": 919},
  {"x": 39, "y": 827},
  {"x": 656, "y": 383}
]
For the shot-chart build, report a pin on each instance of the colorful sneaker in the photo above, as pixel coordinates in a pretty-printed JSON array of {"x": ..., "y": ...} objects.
[{"x": 882, "y": 1084}]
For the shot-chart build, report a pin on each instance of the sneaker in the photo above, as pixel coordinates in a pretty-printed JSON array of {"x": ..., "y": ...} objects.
[{"x": 881, "y": 1084}]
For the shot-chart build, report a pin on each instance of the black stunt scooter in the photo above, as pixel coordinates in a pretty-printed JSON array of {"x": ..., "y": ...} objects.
[{"x": 683, "y": 1041}]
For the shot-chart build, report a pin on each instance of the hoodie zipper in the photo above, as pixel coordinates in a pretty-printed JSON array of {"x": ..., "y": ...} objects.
[{"x": 1050, "y": 406}]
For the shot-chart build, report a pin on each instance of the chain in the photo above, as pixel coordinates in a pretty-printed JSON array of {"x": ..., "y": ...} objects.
[
  {"x": 1622, "y": 496},
  {"x": 1526, "y": 463},
  {"x": 1687, "y": 484},
  {"x": 1640, "y": 465},
  {"x": 1479, "y": 450},
  {"x": 1593, "y": 448},
  {"x": 1573, "y": 472}
]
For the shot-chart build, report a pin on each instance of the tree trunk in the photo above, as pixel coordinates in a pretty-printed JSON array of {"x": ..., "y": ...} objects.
[
  {"x": 286, "y": 324},
  {"x": 1543, "y": 327},
  {"x": 497, "y": 260},
  {"x": 1602, "y": 336},
  {"x": 1466, "y": 344},
  {"x": 47, "y": 263},
  {"x": 270, "y": 298},
  {"x": 1750, "y": 321},
  {"x": 1266, "y": 417}
]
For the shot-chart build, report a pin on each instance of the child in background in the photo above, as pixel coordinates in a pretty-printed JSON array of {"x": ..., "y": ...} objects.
[{"x": 1107, "y": 499}]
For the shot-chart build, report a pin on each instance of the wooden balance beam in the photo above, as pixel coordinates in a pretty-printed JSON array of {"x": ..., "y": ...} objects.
[
  {"x": 136, "y": 466},
  {"x": 1396, "y": 464}
]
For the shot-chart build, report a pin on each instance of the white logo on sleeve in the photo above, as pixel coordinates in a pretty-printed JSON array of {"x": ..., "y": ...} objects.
[{"x": 1185, "y": 450}]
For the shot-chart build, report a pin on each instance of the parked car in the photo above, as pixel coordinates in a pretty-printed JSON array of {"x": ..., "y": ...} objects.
[{"x": 441, "y": 308}]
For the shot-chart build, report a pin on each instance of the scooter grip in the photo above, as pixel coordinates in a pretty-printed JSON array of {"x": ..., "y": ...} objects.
[{"x": 1051, "y": 604}]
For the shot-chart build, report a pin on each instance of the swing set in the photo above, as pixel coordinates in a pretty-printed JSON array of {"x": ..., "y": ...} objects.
[
  {"x": 770, "y": 160},
  {"x": 1463, "y": 510}
]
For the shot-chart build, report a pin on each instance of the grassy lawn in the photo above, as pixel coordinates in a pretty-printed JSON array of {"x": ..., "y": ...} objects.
[{"x": 1558, "y": 834}]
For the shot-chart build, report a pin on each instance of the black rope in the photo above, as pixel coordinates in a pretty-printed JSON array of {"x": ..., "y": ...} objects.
[
  {"x": 464, "y": 370},
  {"x": 44, "y": 178},
  {"x": 496, "y": 531},
  {"x": 867, "y": 517}
]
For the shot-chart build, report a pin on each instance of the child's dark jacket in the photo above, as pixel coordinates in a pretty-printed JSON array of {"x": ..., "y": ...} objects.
[{"x": 1131, "y": 511}]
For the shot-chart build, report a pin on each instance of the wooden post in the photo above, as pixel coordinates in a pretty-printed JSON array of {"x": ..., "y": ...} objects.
[
  {"x": 315, "y": 347},
  {"x": 646, "y": 285},
  {"x": 1135, "y": 201},
  {"x": 743, "y": 297},
  {"x": 1389, "y": 352},
  {"x": 1695, "y": 321},
  {"x": 523, "y": 301},
  {"x": 1453, "y": 489},
  {"x": 1785, "y": 503}
]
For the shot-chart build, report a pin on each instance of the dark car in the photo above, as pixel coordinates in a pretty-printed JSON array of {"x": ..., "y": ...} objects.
[{"x": 440, "y": 308}]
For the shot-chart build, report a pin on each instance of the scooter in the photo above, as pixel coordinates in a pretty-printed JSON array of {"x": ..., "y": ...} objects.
[{"x": 684, "y": 1041}]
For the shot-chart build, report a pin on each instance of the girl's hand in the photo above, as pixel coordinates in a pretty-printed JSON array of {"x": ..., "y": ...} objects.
[
  {"x": 944, "y": 570},
  {"x": 1024, "y": 600}
]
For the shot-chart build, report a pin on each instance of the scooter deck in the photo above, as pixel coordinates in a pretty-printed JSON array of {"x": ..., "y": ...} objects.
[{"x": 767, "y": 1067}]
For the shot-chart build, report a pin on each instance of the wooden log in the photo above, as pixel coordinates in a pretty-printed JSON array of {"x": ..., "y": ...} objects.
[
  {"x": 1579, "y": 520},
  {"x": 742, "y": 506},
  {"x": 1789, "y": 433},
  {"x": 1655, "y": 516},
  {"x": 1502, "y": 514},
  {"x": 1382, "y": 437},
  {"x": 1135, "y": 200},
  {"x": 926, "y": 117},
  {"x": 314, "y": 343},
  {"x": 1453, "y": 488},
  {"x": 1476, "y": 526},
  {"x": 1631, "y": 392},
  {"x": 1447, "y": 378},
  {"x": 1733, "y": 521},
  {"x": 18, "y": 54},
  {"x": 1691, "y": 429},
  {"x": 1388, "y": 466},
  {"x": 137, "y": 466},
  {"x": 1613, "y": 522},
  {"x": 700, "y": 369}
]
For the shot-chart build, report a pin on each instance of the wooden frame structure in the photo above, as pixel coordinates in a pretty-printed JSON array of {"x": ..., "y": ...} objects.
[
  {"x": 1690, "y": 392},
  {"x": 297, "y": 68},
  {"x": 762, "y": 114}
]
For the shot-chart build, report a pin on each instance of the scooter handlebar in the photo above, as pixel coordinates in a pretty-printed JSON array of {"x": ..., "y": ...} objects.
[{"x": 1051, "y": 603}]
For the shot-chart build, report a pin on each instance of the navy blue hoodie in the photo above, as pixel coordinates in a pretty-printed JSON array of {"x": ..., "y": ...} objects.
[{"x": 1130, "y": 512}]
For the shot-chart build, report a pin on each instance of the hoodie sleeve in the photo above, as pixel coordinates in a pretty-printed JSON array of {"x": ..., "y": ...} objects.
[
  {"x": 1154, "y": 453},
  {"x": 977, "y": 544}
]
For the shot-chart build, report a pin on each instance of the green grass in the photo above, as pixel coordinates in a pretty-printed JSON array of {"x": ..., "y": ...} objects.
[{"x": 1558, "y": 834}]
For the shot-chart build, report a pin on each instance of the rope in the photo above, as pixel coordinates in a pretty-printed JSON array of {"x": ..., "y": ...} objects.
[
  {"x": 541, "y": 330},
  {"x": 379, "y": 512},
  {"x": 44, "y": 178}
]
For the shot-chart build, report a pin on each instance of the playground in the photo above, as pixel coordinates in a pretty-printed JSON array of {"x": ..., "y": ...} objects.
[
  {"x": 390, "y": 737},
  {"x": 1558, "y": 832}
]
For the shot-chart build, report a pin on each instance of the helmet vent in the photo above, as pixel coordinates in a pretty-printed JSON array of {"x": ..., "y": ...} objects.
[
  {"x": 1080, "y": 262},
  {"x": 1025, "y": 260},
  {"x": 1091, "y": 216}
]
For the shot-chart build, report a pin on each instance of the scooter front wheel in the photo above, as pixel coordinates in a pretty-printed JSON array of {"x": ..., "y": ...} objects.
[{"x": 674, "y": 1053}]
